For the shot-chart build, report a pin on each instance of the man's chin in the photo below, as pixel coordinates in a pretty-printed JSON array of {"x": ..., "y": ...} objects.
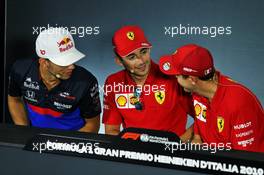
[
  {"x": 65, "y": 77},
  {"x": 187, "y": 90}
]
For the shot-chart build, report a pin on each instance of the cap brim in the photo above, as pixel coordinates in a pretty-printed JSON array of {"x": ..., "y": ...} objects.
[
  {"x": 124, "y": 53},
  {"x": 68, "y": 58},
  {"x": 167, "y": 65}
]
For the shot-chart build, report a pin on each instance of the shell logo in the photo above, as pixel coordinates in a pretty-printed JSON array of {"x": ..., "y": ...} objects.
[
  {"x": 121, "y": 100},
  {"x": 198, "y": 109}
]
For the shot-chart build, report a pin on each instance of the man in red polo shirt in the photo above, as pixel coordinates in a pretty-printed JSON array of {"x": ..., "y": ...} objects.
[
  {"x": 226, "y": 111},
  {"x": 140, "y": 95}
]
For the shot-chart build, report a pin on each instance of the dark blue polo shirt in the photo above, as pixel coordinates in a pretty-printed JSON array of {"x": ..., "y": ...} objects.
[{"x": 63, "y": 107}]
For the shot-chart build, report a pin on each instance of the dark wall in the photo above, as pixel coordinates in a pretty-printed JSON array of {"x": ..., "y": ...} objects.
[
  {"x": 2, "y": 38},
  {"x": 237, "y": 46}
]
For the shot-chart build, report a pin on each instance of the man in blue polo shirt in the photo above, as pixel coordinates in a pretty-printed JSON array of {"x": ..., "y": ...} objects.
[{"x": 52, "y": 92}]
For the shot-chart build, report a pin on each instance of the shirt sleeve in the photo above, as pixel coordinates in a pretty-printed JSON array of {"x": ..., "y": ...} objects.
[
  {"x": 186, "y": 100},
  {"x": 188, "y": 104},
  {"x": 111, "y": 115},
  {"x": 90, "y": 105},
  {"x": 14, "y": 81},
  {"x": 195, "y": 128},
  {"x": 247, "y": 132}
]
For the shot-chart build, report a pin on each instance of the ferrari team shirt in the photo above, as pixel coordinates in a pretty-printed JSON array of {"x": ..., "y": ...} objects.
[
  {"x": 163, "y": 103},
  {"x": 234, "y": 117}
]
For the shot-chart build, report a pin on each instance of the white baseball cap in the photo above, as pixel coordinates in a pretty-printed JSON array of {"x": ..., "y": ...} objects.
[{"x": 57, "y": 45}]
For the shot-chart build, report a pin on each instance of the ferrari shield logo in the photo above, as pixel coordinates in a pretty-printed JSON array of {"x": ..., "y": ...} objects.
[
  {"x": 220, "y": 123},
  {"x": 130, "y": 35},
  {"x": 160, "y": 96}
]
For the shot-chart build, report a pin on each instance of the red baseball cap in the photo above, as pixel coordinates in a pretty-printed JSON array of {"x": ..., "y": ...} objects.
[
  {"x": 189, "y": 59},
  {"x": 129, "y": 38}
]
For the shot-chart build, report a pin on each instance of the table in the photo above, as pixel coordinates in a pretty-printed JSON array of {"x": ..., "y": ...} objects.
[{"x": 15, "y": 160}]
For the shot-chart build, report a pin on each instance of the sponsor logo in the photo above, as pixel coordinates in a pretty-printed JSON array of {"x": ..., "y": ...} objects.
[
  {"x": 154, "y": 139},
  {"x": 125, "y": 101},
  {"x": 67, "y": 95},
  {"x": 220, "y": 123},
  {"x": 243, "y": 134},
  {"x": 43, "y": 52},
  {"x": 207, "y": 71},
  {"x": 133, "y": 100},
  {"x": 189, "y": 69},
  {"x": 121, "y": 101},
  {"x": 144, "y": 137},
  {"x": 61, "y": 106},
  {"x": 244, "y": 143},
  {"x": 131, "y": 135},
  {"x": 30, "y": 95},
  {"x": 200, "y": 111},
  {"x": 94, "y": 90},
  {"x": 65, "y": 44},
  {"x": 64, "y": 41},
  {"x": 31, "y": 84},
  {"x": 166, "y": 66},
  {"x": 131, "y": 36},
  {"x": 242, "y": 126},
  {"x": 160, "y": 97}
]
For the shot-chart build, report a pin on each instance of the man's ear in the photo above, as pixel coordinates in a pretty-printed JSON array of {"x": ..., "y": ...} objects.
[
  {"x": 43, "y": 61},
  {"x": 118, "y": 61}
]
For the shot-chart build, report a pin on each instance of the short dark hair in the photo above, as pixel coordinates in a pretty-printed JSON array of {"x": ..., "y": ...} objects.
[
  {"x": 208, "y": 76},
  {"x": 117, "y": 55}
]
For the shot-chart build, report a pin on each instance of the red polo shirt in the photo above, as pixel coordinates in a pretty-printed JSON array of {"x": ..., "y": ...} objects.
[
  {"x": 165, "y": 105},
  {"x": 234, "y": 116}
]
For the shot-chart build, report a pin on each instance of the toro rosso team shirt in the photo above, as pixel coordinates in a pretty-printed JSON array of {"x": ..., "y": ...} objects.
[
  {"x": 63, "y": 107},
  {"x": 234, "y": 117},
  {"x": 164, "y": 104}
]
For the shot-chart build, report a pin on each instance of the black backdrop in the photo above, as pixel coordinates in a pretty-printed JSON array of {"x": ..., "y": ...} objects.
[{"x": 2, "y": 52}]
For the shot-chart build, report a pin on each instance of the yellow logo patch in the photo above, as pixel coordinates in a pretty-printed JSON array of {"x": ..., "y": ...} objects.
[
  {"x": 121, "y": 100},
  {"x": 131, "y": 35},
  {"x": 220, "y": 123},
  {"x": 160, "y": 96},
  {"x": 198, "y": 109}
]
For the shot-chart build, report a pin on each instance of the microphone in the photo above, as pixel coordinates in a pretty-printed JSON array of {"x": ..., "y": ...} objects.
[
  {"x": 55, "y": 75},
  {"x": 58, "y": 76}
]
